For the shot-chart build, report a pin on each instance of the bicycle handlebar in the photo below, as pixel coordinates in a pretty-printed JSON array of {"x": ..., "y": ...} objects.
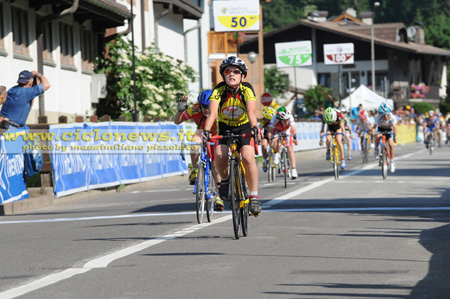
[{"x": 229, "y": 136}]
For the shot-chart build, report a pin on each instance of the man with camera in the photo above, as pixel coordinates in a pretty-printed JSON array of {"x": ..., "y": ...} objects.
[{"x": 20, "y": 98}]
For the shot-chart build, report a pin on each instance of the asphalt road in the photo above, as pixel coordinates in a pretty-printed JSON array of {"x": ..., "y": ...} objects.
[{"x": 358, "y": 237}]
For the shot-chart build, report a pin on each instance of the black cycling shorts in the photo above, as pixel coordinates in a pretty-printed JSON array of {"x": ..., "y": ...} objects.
[{"x": 244, "y": 129}]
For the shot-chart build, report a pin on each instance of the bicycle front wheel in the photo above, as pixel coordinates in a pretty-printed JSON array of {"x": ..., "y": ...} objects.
[
  {"x": 232, "y": 195},
  {"x": 269, "y": 168},
  {"x": 212, "y": 193},
  {"x": 244, "y": 202},
  {"x": 200, "y": 194},
  {"x": 284, "y": 167},
  {"x": 384, "y": 166},
  {"x": 335, "y": 162}
]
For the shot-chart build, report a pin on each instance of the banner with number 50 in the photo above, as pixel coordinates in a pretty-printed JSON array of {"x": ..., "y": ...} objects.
[
  {"x": 236, "y": 15},
  {"x": 339, "y": 53}
]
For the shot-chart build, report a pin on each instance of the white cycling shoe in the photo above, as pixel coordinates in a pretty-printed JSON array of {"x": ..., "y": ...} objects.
[
  {"x": 276, "y": 159},
  {"x": 294, "y": 173},
  {"x": 392, "y": 166}
]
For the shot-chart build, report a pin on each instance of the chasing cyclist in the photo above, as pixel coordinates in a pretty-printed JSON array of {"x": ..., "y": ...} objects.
[
  {"x": 283, "y": 122},
  {"x": 431, "y": 124},
  {"x": 267, "y": 112},
  {"x": 234, "y": 103},
  {"x": 386, "y": 122},
  {"x": 198, "y": 112},
  {"x": 335, "y": 124},
  {"x": 365, "y": 125}
]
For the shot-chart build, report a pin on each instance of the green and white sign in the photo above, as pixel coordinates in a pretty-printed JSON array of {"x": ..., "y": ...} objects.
[
  {"x": 293, "y": 54},
  {"x": 236, "y": 15}
]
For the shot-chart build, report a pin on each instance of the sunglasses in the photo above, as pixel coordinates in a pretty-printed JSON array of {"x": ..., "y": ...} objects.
[
  {"x": 236, "y": 72},
  {"x": 205, "y": 106}
]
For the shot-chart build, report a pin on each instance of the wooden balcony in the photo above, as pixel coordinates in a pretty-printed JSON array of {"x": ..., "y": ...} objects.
[{"x": 221, "y": 42}]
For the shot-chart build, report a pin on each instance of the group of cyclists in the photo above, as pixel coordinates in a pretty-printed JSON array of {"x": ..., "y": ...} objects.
[{"x": 231, "y": 106}]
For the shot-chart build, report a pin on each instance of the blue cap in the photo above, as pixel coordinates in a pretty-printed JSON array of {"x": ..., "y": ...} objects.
[{"x": 24, "y": 77}]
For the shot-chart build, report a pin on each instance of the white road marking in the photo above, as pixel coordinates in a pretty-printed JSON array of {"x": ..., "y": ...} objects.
[{"x": 102, "y": 262}]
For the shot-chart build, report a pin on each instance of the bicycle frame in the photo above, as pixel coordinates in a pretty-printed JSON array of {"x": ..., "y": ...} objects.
[
  {"x": 204, "y": 188},
  {"x": 335, "y": 154}
]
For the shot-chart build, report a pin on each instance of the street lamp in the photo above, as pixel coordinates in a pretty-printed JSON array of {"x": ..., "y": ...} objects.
[
  {"x": 252, "y": 56},
  {"x": 372, "y": 46}
]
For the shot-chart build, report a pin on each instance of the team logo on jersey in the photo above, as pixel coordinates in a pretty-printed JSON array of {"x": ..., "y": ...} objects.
[{"x": 233, "y": 112}]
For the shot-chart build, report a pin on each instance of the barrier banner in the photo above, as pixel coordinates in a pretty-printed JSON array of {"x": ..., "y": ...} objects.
[
  {"x": 12, "y": 182},
  {"x": 98, "y": 155}
]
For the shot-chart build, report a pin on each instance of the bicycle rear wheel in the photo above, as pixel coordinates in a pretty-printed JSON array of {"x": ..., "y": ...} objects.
[
  {"x": 244, "y": 202},
  {"x": 284, "y": 167},
  {"x": 200, "y": 194},
  {"x": 212, "y": 193},
  {"x": 234, "y": 198},
  {"x": 384, "y": 166}
]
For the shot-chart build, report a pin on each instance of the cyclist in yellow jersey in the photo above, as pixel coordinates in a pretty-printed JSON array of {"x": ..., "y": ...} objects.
[
  {"x": 234, "y": 103},
  {"x": 267, "y": 112}
]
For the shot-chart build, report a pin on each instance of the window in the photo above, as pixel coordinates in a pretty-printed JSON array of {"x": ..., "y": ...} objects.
[
  {"x": 324, "y": 79},
  {"x": 379, "y": 79},
  {"x": 2, "y": 28},
  {"x": 66, "y": 39},
  {"x": 355, "y": 80},
  {"x": 20, "y": 31},
  {"x": 87, "y": 57},
  {"x": 48, "y": 41}
]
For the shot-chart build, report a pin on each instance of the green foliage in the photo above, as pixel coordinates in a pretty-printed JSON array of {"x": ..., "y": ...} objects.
[
  {"x": 421, "y": 108},
  {"x": 160, "y": 80},
  {"x": 279, "y": 13},
  {"x": 444, "y": 105},
  {"x": 276, "y": 81},
  {"x": 317, "y": 96}
]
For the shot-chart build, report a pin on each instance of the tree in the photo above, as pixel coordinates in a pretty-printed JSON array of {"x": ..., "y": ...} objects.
[
  {"x": 276, "y": 81},
  {"x": 277, "y": 14},
  {"x": 160, "y": 80},
  {"x": 318, "y": 96}
]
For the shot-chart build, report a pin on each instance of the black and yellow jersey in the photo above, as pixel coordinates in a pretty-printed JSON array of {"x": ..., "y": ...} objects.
[{"x": 232, "y": 108}]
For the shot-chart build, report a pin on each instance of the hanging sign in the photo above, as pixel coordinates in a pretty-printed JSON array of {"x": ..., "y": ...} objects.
[
  {"x": 236, "y": 15},
  {"x": 339, "y": 53},
  {"x": 293, "y": 54}
]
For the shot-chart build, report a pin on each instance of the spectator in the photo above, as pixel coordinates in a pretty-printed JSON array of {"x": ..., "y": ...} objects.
[
  {"x": 20, "y": 98},
  {"x": 317, "y": 116},
  {"x": 3, "y": 95},
  {"x": 356, "y": 111}
]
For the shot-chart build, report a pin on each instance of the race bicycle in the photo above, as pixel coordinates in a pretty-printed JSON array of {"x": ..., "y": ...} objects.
[
  {"x": 385, "y": 154},
  {"x": 285, "y": 163},
  {"x": 335, "y": 155},
  {"x": 431, "y": 142},
  {"x": 238, "y": 193},
  {"x": 205, "y": 187}
]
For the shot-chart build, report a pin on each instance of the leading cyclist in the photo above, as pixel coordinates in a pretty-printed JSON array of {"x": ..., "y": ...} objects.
[
  {"x": 234, "y": 103},
  {"x": 386, "y": 122},
  {"x": 335, "y": 124},
  {"x": 283, "y": 122}
]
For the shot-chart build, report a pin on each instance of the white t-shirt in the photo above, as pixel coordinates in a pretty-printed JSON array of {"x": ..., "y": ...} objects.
[{"x": 384, "y": 123}]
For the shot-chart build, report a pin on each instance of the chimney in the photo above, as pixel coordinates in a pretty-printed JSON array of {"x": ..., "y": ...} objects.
[
  {"x": 420, "y": 35},
  {"x": 367, "y": 17}
]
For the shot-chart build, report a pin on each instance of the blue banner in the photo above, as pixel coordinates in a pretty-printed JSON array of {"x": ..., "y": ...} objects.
[
  {"x": 89, "y": 156},
  {"x": 12, "y": 182}
]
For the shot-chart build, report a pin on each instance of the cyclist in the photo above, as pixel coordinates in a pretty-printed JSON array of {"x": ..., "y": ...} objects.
[
  {"x": 267, "y": 112},
  {"x": 234, "y": 103},
  {"x": 430, "y": 124},
  {"x": 335, "y": 124},
  {"x": 386, "y": 122},
  {"x": 365, "y": 124},
  {"x": 348, "y": 131},
  {"x": 198, "y": 112},
  {"x": 283, "y": 122},
  {"x": 447, "y": 121}
]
